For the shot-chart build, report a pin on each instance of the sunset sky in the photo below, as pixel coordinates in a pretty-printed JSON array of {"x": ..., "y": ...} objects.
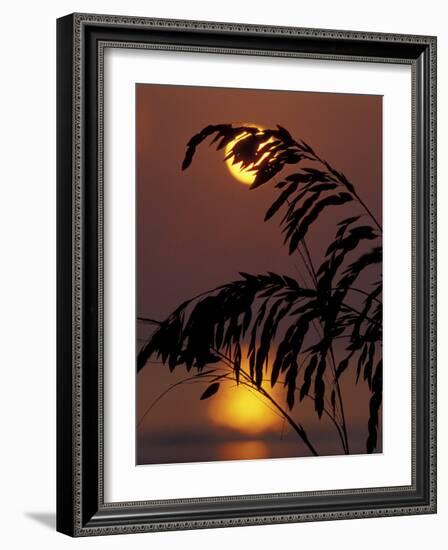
[{"x": 199, "y": 228}]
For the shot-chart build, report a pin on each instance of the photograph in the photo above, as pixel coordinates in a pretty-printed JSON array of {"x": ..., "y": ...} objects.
[{"x": 258, "y": 273}]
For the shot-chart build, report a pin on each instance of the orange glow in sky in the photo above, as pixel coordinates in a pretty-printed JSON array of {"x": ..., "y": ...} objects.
[{"x": 243, "y": 409}]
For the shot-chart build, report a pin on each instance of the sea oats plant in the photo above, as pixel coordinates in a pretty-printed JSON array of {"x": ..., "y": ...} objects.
[{"x": 288, "y": 330}]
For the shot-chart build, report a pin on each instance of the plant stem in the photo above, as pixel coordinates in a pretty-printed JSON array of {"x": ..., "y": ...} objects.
[
  {"x": 183, "y": 381},
  {"x": 309, "y": 266},
  {"x": 352, "y": 191},
  {"x": 149, "y": 321},
  {"x": 344, "y": 440},
  {"x": 361, "y": 292},
  {"x": 307, "y": 252},
  {"x": 341, "y": 402},
  {"x": 350, "y": 308},
  {"x": 296, "y": 427},
  {"x": 367, "y": 209}
]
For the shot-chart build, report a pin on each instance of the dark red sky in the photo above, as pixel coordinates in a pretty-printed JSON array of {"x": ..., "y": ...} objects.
[{"x": 197, "y": 229}]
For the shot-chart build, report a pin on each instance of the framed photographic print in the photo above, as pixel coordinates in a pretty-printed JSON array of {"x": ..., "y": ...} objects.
[{"x": 246, "y": 274}]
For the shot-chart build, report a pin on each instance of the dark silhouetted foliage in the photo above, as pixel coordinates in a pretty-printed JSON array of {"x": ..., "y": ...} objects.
[{"x": 289, "y": 330}]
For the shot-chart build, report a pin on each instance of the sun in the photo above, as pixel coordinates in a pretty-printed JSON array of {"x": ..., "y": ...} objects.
[
  {"x": 243, "y": 410},
  {"x": 246, "y": 174}
]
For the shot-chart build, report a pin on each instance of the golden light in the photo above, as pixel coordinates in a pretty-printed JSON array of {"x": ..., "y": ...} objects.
[
  {"x": 245, "y": 174},
  {"x": 243, "y": 409},
  {"x": 243, "y": 450}
]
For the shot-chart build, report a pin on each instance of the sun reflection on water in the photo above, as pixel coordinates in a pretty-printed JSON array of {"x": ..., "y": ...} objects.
[{"x": 243, "y": 450}]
